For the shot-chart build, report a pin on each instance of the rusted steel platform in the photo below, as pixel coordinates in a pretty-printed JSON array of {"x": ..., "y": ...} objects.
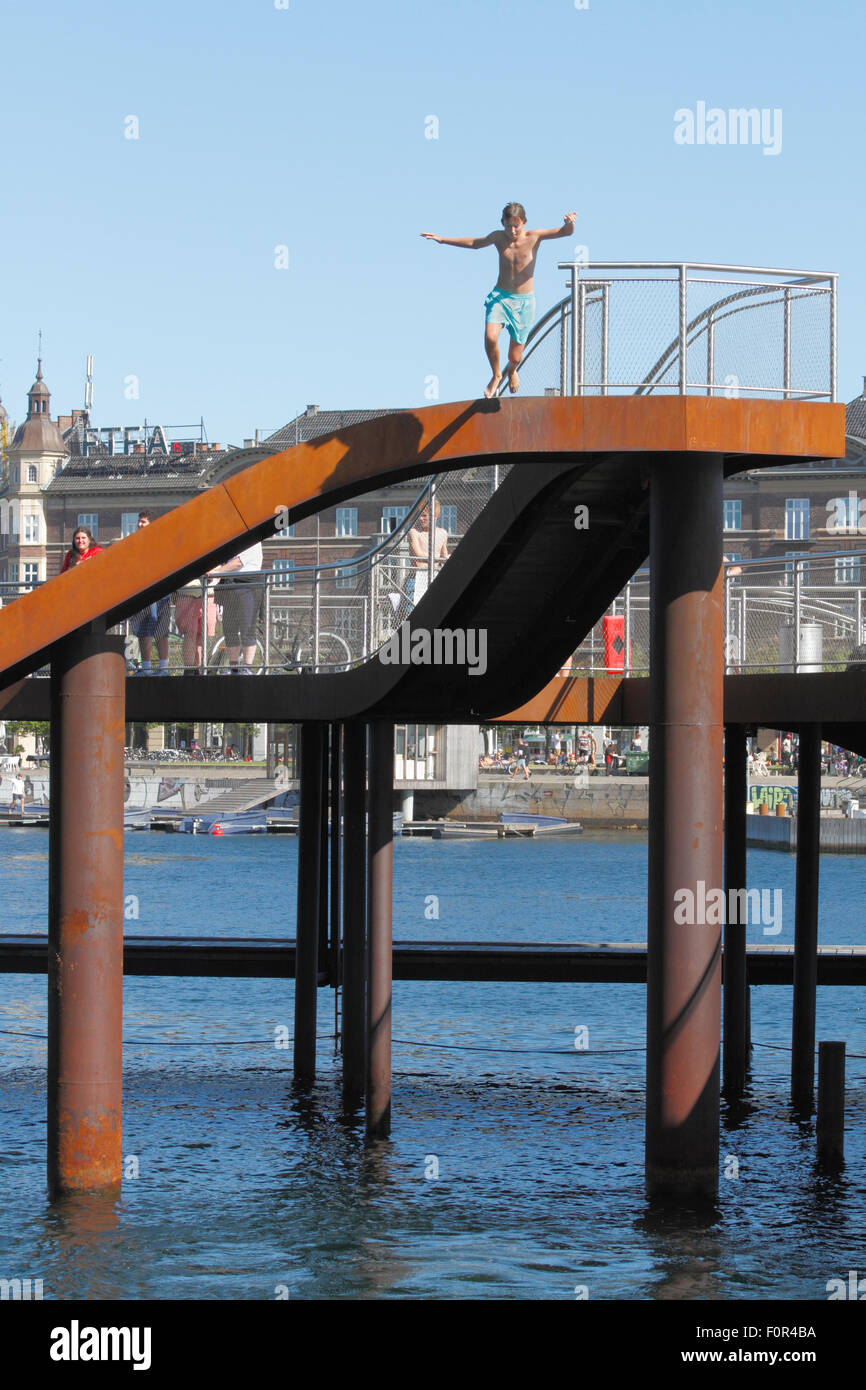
[{"x": 598, "y": 962}]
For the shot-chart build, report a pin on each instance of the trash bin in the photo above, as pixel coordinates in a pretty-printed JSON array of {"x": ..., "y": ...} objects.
[{"x": 637, "y": 763}]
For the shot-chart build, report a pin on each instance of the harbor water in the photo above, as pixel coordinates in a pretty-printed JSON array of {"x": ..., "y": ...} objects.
[{"x": 515, "y": 1164}]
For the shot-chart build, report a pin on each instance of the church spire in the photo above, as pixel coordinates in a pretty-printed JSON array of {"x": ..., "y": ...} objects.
[{"x": 38, "y": 397}]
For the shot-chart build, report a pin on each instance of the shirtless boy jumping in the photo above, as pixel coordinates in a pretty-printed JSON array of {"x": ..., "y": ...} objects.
[{"x": 511, "y": 304}]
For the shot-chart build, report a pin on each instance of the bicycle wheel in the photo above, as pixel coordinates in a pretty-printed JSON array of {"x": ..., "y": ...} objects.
[
  {"x": 333, "y": 653},
  {"x": 219, "y": 662}
]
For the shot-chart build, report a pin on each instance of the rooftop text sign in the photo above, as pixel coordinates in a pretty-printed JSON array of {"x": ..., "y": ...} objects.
[{"x": 128, "y": 439}]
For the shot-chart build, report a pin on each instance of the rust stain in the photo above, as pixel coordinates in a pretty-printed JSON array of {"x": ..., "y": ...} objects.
[
  {"x": 90, "y": 1148},
  {"x": 74, "y": 923}
]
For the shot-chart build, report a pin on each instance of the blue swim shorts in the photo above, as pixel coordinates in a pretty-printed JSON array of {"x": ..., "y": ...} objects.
[{"x": 515, "y": 311}]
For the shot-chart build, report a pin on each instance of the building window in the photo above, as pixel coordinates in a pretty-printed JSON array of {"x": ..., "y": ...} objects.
[
  {"x": 345, "y": 575},
  {"x": 732, "y": 515},
  {"x": 392, "y": 516},
  {"x": 13, "y": 473},
  {"x": 13, "y": 571},
  {"x": 284, "y": 574},
  {"x": 347, "y": 521},
  {"x": 848, "y": 569},
  {"x": 346, "y": 622},
  {"x": 803, "y": 567},
  {"x": 415, "y": 752},
  {"x": 91, "y": 521},
  {"x": 128, "y": 523},
  {"x": 32, "y": 473},
  {"x": 732, "y": 557},
  {"x": 31, "y": 574},
  {"x": 448, "y": 518},
  {"x": 31, "y": 530},
  {"x": 796, "y": 518}
]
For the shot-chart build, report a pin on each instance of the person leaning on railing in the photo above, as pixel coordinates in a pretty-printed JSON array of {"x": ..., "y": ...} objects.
[{"x": 419, "y": 544}]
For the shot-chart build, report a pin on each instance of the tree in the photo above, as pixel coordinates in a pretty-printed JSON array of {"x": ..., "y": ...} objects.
[{"x": 40, "y": 727}]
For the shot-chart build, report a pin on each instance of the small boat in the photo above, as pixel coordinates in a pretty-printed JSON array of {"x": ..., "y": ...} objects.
[
  {"x": 538, "y": 824},
  {"x": 240, "y": 823}
]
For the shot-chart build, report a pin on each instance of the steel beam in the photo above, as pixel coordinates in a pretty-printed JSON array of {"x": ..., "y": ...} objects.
[
  {"x": 806, "y": 919},
  {"x": 309, "y": 885},
  {"x": 379, "y": 966},
  {"x": 85, "y": 914},
  {"x": 685, "y": 827},
  {"x": 354, "y": 913},
  {"x": 736, "y": 980}
]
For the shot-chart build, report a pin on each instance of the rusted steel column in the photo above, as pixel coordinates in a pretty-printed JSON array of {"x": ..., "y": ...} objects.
[
  {"x": 309, "y": 882},
  {"x": 336, "y": 851},
  {"x": 806, "y": 919},
  {"x": 685, "y": 901},
  {"x": 830, "y": 1127},
  {"x": 324, "y": 866},
  {"x": 354, "y": 913},
  {"x": 380, "y": 881},
  {"x": 85, "y": 914},
  {"x": 736, "y": 983}
]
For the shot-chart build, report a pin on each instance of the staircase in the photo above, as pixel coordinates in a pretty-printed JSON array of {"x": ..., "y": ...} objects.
[{"x": 245, "y": 795}]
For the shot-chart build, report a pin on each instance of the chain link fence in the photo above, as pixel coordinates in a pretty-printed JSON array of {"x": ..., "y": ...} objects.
[
  {"x": 731, "y": 331},
  {"x": 793, "y": 615}
]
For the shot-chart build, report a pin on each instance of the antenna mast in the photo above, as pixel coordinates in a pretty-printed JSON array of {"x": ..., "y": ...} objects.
[{"x": 88, "y": 387}]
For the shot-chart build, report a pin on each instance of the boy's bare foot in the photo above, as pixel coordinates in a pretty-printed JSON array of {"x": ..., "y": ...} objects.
[
  {"x": 513, "y": 381},
  {"x": 491, "y": 387}
]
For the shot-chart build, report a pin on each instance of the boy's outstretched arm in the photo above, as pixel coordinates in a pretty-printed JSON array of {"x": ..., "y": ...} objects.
[
  {"x": 472, "y": 243},
  {"x": 566, "y": 229}
]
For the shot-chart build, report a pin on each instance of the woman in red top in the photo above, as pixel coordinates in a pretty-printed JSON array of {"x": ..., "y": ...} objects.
[{"x": 83, "y": 547}]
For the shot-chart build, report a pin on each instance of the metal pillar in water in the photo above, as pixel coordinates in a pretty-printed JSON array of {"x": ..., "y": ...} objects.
[
  {"x": 336, "y": 794},
  {"x": 380, "y": 887},
  {"x": 734, "y": 1054},
  {"x": 324, "y": 864},
  {"x": 309, "y": 885},
  {"x": 354, "y": 913},
  {"x": 85, "y": 914},
  {"x": 685, "y": 901},
  {"x": 806, "y": 919}
]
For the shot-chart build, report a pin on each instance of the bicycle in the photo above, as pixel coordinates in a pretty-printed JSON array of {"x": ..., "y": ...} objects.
[{"x": 332, "y": 651}]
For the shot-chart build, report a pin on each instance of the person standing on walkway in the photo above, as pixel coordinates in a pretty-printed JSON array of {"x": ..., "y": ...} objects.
[
  {"x": 151, "y": 622},
  {"x": 16, "y": 802},
  {"x": 419, "y": 544},
  {"x": 511, "y": 303},
  {"x": 241, "y": 591},
  {"x": 522, "y": 759}
]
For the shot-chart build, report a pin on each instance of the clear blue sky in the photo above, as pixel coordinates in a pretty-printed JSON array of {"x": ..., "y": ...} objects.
[{"x": 305, "y": 127}]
